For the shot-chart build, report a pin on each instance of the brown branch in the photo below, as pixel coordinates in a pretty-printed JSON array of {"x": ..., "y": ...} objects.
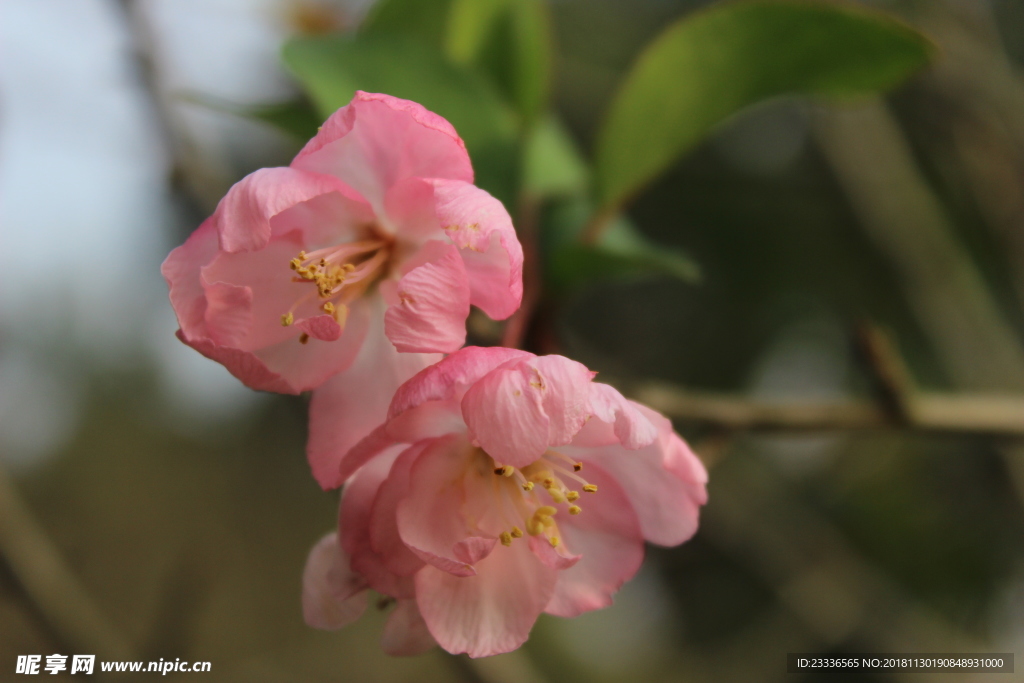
[
  {"x": 50, "y": 584},
  {"x": 965, "y": 414}
]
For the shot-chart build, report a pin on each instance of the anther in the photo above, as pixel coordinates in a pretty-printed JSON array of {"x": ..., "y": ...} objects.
[
  {"x": 528, "y": 486},
  {"x": 554, "y": 541},
  {"x": 575, "y": 509},
  {"x": 590, "y": 488},
  {"x": 516, "y": 532},
  {"x": 328, "y": 308},
  {"x": 506, "y": 538},
  {"x": 504, "y": 471},
  {"x": 287, "y": 319},
  {"x": 577, "y": 466},
  {"x": 303, "y": 338},
  {"x": 572, "y": 496}
]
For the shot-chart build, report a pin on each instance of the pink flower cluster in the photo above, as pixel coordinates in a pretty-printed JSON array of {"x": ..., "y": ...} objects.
[{"x": 480, "y": 490}]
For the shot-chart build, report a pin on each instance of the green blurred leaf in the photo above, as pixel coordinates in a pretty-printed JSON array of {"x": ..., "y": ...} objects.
[
  {"x": 552, "y": 164},
  {"x": 709, "y": 65},
  {"x": 510, "y": 41},
  {"x": 297, "y": 117},
  {"x": 332, "y": 68},
  {"x": 622, "y": 253},
  {"x": 422, "y": 20}
]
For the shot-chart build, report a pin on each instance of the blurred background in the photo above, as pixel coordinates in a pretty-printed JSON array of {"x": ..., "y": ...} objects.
[{"x": 152, "y": 507}]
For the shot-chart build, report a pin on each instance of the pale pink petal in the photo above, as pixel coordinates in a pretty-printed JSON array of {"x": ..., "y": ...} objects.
[
  {"x": 354, "y": 523},
  {"x": 491, "y": 612},
  {"x": 431, "y": 307},
  {"x": 632, "y": 429},
  {"x": 384, "y": 536},
  {"x": 664, "y": 481},
  {"x": 564, "y": 387},
  {"x": 326, "y": 220},
  {"x": 323, "y": 327},
  {"x": 428, "y": 421},
  {"x": 555, "y": 558},
  {"x": 430, "y": 517},
  {"x": 607, "y": 537},
  {"x": 450, "y": 377},
  {"x": 267, "y": 274},
  {"x": 349, "y": 405},
  {"x": 308, "y": 366},
  {"x": 405, "y": 632},
  {"x": 228, "y": 313},
  {"x": 243, "y": 365},
  {"x": 520, "y": 409},
  {"x": 181, "y": 270},
  {"x": 480, "y": 226},
  {"x": 332, "y": 594},
  {"x": 411, "y": 206},
  {"x": 504, "y": 413},
  {"x": 377, "y": 140},
  {"x": 243, "y": 215}
]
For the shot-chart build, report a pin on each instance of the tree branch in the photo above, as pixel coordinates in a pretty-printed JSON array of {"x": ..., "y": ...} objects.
[{"x": 941, "y": 413}]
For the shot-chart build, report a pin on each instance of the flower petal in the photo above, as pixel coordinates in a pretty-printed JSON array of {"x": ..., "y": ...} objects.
[
  {"x": 243, "y": 216},
  {"x": 323, "y": 327},
  {"x": 482, "y": 229},
  {"x": 450, "y": 377},
  {"x": 377, "y": 140},
  {"x": 631, "y": 427},
  {"x": 405, "y": 632},
  {"x": 606, "y": 536},
  {"x": 181, "y": 270},
  {"x": 349, "y": 405},
  {"x": 308, "y": 366},
  {"x": 518, "y": 410},
  {"x": 228, "y": 313},
  {"x": 505, "y": 416},
  {"x": 384, "y": 536},
  {"x": 332, "y": 594},
  {"x": 664, "y": 481},
  {"x": 491, "y": 612},
  {"x": 429, "y": 310},
  {"x": 430, "y": 517},
  {"x": 354, "y": 523}
]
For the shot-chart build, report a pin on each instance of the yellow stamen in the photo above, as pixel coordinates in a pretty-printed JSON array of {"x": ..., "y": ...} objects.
[
  {"x": 516, "y": 532},
  {"x": 556, "y": 495},
  {"x": 287, "y": 319},
  {"x": 528, "y": 486},
  {"x": 590, "y": 488},
  {"x": 554, "y": 541},
  {"x": 572, "y": 496},
  {"x": 575, "y": 509},
  {"x": 504, "y": 471},
  {"x": 328, "y": 308},
  {"x": 506, "y": 538}
]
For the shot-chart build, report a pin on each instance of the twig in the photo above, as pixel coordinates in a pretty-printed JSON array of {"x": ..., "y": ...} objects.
[
  {"x": 56, "y": 592},
  {"x": 940, "y": 413},
  {"x": 518, "y": 326}
]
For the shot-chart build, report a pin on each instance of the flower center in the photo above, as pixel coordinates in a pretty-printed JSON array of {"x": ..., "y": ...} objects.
[
  {"x": 528, "y": 495},
  {"x": 338, "y": 275}
]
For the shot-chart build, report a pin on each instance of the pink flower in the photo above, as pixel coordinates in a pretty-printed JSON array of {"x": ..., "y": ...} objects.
[
  {"x": 374, "y": 229},
  {"x": 502, "y": 485}
]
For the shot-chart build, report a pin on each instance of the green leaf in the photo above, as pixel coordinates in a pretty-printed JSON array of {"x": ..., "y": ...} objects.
[
  {"x": 332, "y": 68},
  {"x": 707, "y": 66},
  {"x": 297, "y": 117},
  {"x": 510, "y": 41},
  {"x": 425, "y": 21},
  {"x": 622, "y": 253},
  {"x": 552, "y": 163}
]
